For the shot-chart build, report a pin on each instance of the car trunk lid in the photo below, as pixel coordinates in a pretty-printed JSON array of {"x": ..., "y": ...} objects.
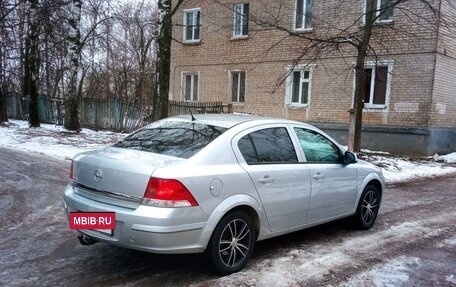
[{"x": 116, "y": 175}]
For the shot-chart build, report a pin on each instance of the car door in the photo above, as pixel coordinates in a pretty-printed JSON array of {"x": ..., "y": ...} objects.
[
  {"x": 269, "y": 157},
  {"x": 333, "y": 183}
]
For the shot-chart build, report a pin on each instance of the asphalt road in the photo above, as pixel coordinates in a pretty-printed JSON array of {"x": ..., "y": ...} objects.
[{"x": 412, "y": 244}]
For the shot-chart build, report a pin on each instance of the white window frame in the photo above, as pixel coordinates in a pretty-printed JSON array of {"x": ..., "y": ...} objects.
[
  {"x": 295, "y": 11},
  {"x": 379, "y": 6},
  {"x": 183, "y": 86},
  {"x": 242, "y": 34},
  {"x": 238, "y": 86},
  {"x": 193, "y": 40},
  {"x": 373, "y": 65},
  {"x": 289, "y": 85}
]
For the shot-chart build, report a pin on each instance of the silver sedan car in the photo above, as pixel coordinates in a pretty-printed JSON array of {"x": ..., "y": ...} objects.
[{"x": 219, "y": 183}]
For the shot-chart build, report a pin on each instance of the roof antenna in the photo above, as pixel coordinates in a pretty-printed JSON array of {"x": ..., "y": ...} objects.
[{"x": 193, "y": 118}]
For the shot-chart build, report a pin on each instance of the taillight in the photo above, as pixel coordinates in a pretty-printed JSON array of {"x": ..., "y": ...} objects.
[
  {"x": 167, "y": 193},
  {"x": 71, "y": 170}
]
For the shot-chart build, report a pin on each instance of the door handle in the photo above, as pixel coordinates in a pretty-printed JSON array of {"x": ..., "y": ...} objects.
[
  {"x": 318, "y": 176},
  {"x": 266, "y": 179}
]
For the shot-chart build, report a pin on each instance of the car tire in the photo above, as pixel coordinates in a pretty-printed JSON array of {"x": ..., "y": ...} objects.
[
  {"x": 231, "y": 244},
  {"x": 368, "y": 206}
]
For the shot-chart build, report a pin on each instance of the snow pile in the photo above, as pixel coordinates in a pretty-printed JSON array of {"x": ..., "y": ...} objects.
[
  {"x": 399, "y": 169},
  {"x": 57, "y": 142},
  {"x": 450, "y": 158}
]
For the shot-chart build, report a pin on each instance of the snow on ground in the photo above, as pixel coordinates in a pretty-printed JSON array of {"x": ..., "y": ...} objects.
[
  {"x": 400, "y": 169},
  {"x": 53, "y": 140},
  {"x": 391, "y": 274},
  {"x": 57, "y": 142}
]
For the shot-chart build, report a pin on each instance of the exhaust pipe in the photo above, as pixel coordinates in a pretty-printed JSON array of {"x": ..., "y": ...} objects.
[{"x": 86, "y": 240}]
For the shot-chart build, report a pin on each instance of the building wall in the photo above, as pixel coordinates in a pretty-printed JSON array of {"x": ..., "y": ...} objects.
[
  {"x": 408, "y": 33},
  {"x": 331, "y": 90},
  {"x": 443, "y": 112},
  {"x": 422, "y": 53}
]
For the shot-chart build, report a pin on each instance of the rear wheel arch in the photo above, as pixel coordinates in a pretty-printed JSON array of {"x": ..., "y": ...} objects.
[
  {"x": 251, "y": 212},
  {"x": 240, "y": 202}
]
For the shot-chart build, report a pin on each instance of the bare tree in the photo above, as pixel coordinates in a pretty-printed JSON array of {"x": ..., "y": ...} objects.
[
  {"x": 3, "y": 14},
  {"x": 74, "y": 38},
  {"x": 32, "y": 63},
  {"x": 164, "y": 38},
  {"x": 111, "y": 56},
  {"x": 3, "y": 115},
  {"x": 346, "y": 38}
]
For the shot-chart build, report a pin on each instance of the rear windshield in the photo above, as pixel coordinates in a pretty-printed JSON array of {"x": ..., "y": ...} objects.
[{"x": 174, "y": 138}]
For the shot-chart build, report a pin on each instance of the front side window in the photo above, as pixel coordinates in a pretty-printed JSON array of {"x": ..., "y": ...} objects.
[
  {"x": 238, "y": 86},
  {"x": 376, "y": 86},
  {"x": 383, "y": 10},
  {"x": 241, "y": 20},
  {"x": 268, "y": 146},
  {"x": 316, "y": 147},
  {"x": 173, "y": 138},
  {"x": 190, "y": 87},
  {"x": 192, "y": 25},
  {"x": 299, "y": 87},
  {"x": 303, "y": 14}
]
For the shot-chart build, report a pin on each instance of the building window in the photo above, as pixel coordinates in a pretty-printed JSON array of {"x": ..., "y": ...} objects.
[
  {"x": 299, "y": 87},
  {"x": 383, "y": 10},
  {"x": 241, "y": 20},
  {"x": 376, "y": 86},
  {"x": 190, "y": 87},
  {"x": 303, "y": 14},
  {"x": 192, "y": 25},
  {"x": 238, "y": 87}
]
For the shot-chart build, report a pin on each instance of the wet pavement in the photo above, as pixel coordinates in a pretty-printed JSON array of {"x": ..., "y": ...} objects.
[{"x": 412, "y": 244}]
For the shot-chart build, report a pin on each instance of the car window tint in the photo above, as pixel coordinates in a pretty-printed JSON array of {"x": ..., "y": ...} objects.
[
  {"x": 316, "y": 147},
  {"x": 271, "y": 145},
  {"x": 173, "y": 138},
  {"x": 245, "y": 145}
]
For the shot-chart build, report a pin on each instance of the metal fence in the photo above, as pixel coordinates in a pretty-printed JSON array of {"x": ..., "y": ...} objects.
[
  {"x": 113, "y": 114},
  {"x": 17, "y": 107},
  {"x": 104, "y": 114}
]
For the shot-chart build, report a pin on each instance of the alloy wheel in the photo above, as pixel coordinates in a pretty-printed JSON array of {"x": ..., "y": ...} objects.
[
  {"x": 369, "y": 207},
  {"x": 234, "y": 243}
]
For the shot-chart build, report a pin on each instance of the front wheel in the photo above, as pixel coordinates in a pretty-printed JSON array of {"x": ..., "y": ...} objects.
[
  {"x": 232, "y": 243},
  {"x": 368, "y": 206}
]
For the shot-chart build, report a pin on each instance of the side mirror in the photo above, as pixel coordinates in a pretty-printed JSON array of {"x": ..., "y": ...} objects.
[{"x": 349, "y": 158}]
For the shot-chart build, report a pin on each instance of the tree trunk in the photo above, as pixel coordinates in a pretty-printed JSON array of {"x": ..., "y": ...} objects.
[
  {"x": 72, "y": 102},
  {"x": 3, "y": 115},
  {"x": 33, "y": 64},
  {"x": 360, "y": 77},
  {"x": 163, "y": 59}
]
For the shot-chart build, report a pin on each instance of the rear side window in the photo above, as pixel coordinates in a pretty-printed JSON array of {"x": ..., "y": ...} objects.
[
  {"x": 271, "y": 145},
  {"x": 173, "y": 138}
]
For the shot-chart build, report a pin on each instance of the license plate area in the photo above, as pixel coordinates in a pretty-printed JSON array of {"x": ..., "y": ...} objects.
[
  {"x": 102, "y": 222},
  {"x": 108, "y": 232}
]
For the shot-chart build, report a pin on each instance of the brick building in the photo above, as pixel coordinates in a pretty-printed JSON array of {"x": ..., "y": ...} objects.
[{"x": 259, "y": 55}]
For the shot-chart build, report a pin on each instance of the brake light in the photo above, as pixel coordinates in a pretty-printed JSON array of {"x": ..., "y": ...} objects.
[
  {"x": 167, "y": 193},
  {"x": 71, "y": 170}
]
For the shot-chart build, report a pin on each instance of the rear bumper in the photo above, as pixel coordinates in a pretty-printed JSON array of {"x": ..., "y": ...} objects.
[{"x": 145, "y": 228}]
